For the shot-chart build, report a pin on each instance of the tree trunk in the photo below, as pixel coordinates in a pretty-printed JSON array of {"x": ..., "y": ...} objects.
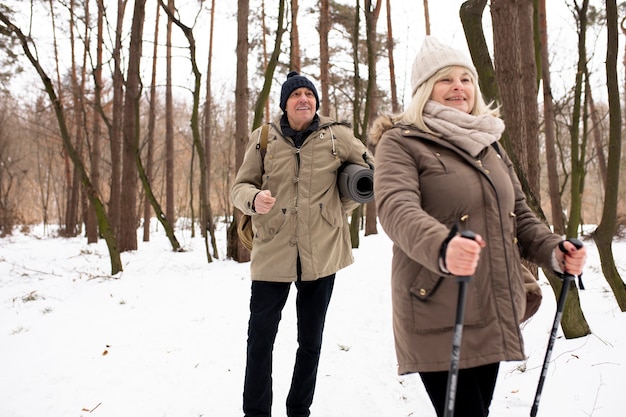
[
  {"x": 554, "y": 190},
  {"x": 426, "y": 17},
  {"x": 235, "y": 248},
  {"x": 85, "y": 123},
  {"x": 128, "y": 231},
  {"x": 295, "y": 61},
  {"x": 471, "y": 15},
  {"x": 91, "y": 225},
  {"x": 170, "y": 209},
  {"x": 576, "y": 149},
  {"x": 574, "y": 323},
  {"x": 264, "y": 29},
  {"x": 195, "y": 123},
  {"x": 516, "y": 69},
  {"x": 603, "y": 235},
  {"x": 514, "y": 56},
  {"x": 72, "y": 204},
  {"x": 372, "y": 12},
  {"x": 324, "y": 29},
  {"x": 147, "y": 207},
  {"x": 115, "y": 202},
  {"x": 263, "y": 96},
  {"x": 209, "y": 227},
  {"x": 395, "y": 105},
  {"x": 358, "y": 127},
  {"x": 596, "y": 132}
]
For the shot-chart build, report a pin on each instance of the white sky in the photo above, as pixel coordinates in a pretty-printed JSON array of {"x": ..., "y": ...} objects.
[{"x": 408, "y": 21}]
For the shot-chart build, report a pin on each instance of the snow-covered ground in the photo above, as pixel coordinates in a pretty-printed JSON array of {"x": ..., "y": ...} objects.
[{"x": 167, "y": 337}]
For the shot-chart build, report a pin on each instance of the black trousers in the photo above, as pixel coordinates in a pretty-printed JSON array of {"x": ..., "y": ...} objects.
[
  {"x": 475, "y": 388},
  {"x": 266, "y": 304}
]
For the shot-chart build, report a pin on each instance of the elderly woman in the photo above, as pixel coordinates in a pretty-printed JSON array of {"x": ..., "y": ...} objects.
[{"x": 439, "y": 171}]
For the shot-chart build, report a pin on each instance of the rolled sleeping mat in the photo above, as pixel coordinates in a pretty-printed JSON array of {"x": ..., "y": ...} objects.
[{"x": 356, "y": 182}]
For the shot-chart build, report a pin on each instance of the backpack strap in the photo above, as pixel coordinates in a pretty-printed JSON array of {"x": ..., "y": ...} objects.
[
  {"x": 264, "y": 134},
  {"x": 261, "y": 145}
]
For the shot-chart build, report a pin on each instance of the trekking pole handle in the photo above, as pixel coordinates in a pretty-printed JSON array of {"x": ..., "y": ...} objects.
[
  {"x": 577, "y": 243},
  {"x": 468, "y": 234}
]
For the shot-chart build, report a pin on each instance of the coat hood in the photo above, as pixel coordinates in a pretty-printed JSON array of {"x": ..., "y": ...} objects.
[{"x": 382, "y": 124}]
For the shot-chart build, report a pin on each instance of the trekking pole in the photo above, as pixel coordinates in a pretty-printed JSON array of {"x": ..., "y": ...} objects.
[
  {"x": 567, "y": 278},
  {"x": 453, "y": 374}
]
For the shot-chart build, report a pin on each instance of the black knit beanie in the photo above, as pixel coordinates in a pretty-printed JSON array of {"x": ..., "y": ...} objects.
[{"x": 295, "y": 81}]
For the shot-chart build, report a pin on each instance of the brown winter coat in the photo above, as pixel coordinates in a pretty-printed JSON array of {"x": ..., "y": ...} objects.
[
  {"x": 309, "y": 217},
  {"x": 424, "y": 185}
]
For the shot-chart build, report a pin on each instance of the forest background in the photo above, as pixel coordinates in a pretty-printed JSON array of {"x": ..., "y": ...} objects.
[{"x": 112, "y": 112}]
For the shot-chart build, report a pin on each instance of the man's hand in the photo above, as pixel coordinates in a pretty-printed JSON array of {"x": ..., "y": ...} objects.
[{"x": 263, "y": 202}]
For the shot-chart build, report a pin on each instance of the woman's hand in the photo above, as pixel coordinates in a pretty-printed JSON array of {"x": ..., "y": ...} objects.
[
  {"x": 462, "y": 255},
  {"x": 573, "y": 260}
]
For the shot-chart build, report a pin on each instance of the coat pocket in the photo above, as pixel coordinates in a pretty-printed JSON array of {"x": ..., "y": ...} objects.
[
  {"x": 333, "y": 214},
  {"x": 434, "y": 304},
  {"x": 268, "y": 227}
]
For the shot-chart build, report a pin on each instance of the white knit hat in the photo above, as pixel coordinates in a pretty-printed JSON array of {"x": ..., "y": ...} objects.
[{"x": 434, "y": 56}]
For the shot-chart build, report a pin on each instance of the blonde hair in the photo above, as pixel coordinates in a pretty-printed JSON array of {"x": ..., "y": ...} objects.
[{"x": 413, "y": 114}]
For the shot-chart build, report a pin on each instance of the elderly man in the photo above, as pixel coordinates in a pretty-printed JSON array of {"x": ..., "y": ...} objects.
[{"x": 301, "y": 236}]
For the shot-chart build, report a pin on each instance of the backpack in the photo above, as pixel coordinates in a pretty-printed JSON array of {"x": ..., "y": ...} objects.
[{"x": 244, "y": 225}]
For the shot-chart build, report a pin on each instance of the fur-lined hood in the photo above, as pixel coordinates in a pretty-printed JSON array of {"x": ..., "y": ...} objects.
[{"x": 382, "y": 124}]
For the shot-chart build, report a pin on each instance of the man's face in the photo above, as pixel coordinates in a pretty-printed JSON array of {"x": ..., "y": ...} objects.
[{"x": 300, "y": 108}]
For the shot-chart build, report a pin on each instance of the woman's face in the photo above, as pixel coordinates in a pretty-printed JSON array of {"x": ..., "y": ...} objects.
[{"x": 456, "y": 89}]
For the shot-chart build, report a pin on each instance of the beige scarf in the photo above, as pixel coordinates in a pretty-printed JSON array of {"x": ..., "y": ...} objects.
[{"x": 463, "y": 130}]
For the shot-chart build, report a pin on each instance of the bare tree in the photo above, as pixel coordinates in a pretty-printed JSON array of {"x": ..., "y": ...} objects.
[
  {"x": 558, "y": 221},
  {"x": 263, "y": 96},
  {"x": 235, "y": 248},
  {"x": 77, "y": 89},
  {"x": 426, "y": 18},
  {"x": 195, "y": 124},
  {"x": 324, "y": 29},
  {"x": 603, "y": 235},
  {"x": 395, "y": 105},
  {"x": 169, "y": 123},
  {"x": 295, "y": 60},
  {"x": 372, "y": 12},
  {"x": 209, "y": 227},
  {"x": 573, "y": 322},
  {"x": 265, "y": 53},
  {"x": 115, "y": 139},
  {"x": 91, "y": 222},
  {"x": 107, "y": 233},
  {"x": 596, "y": 125},
  {"x": 147, "y": 207},
  {"x": 577, "y": 149},
  {"x": 128, "y": 230},
  {"x": 514, "y": 55}
]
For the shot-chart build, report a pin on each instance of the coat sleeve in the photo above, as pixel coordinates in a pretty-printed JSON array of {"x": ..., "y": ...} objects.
[
  {"x": 399, "y": 202},
  {"x": 249, "y": 177}
]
